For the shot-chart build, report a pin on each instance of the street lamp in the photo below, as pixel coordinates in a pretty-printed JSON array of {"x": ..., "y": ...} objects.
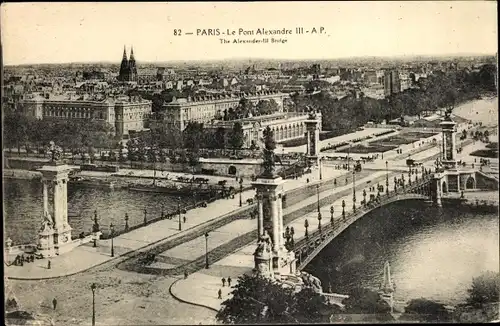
[
  {"x": 317, "y": 193},
  {"x": 145, "y": 216},
  {"x": 320, "y": 174},
  {"x": 126, "y": 221},
  {"x": 206, "y": 250},
  {"x": 95, "y": 228},
  {"x": 179, "y": 208},
  {"x": 387, "y": 178},
  {"x": 331, "y": 215},
  {"x": 354, "y": 191},
  {"x": 364, "y": 196},
  {"x": 93, "y": 287},
  {"x": 343, "y": 209},
  {"x": 306, "y": 225},
  {"x": 112, "y": 229},
  {"x": 241, "y": 190}
]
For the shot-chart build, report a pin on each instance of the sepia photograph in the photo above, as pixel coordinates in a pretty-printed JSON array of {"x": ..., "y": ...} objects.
[{"x": 212, "y": 163}]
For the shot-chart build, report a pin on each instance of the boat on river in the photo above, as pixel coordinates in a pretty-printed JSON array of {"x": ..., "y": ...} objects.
[{"x": 178, "y": 190}]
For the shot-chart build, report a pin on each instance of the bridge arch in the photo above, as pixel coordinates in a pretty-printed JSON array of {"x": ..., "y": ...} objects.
[
  {"x": 307, "y": 248},
  {"x": 470, "y": 183}
]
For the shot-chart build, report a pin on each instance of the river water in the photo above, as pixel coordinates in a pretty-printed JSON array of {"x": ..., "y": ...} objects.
[
  {"x": 23, "y": 208},
  {"x": 434, "y": 253}
]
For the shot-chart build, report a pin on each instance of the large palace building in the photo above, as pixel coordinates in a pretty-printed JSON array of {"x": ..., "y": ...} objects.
[
  {"x": 128, "y": 69},
  {"x": 123, "y": 113},
  {"x": 204, "y": 109}
]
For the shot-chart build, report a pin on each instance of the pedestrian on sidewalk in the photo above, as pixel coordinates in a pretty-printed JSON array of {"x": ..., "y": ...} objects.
[
  {"x": 223, "y": 282},
  {"x": 54, "y": 303},
  {"x": 220, "y": 294},
  {"x": 229, "y": 281},
  {"x": 48, "y": 264},
  {"x": 184, "y": 218}
]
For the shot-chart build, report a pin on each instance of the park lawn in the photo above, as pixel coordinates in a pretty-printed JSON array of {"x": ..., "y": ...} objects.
[
  {"x": 489, "y": 153},
  {"x": 417, "y": 135},
  {"x": 359, "y": 149}
]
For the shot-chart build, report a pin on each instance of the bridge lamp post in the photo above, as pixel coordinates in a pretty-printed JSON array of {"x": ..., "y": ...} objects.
[
  {"x": 126, "y": 222},
  {"x": 306, "y": 225},
  {"x": 364, "y": 196},
  {"x": 354, "y": 191},
  {"x": 241, "y": 190},
  {"x": 206, "y": 251},
  {"x": 403, "y": 180},
  {"x": 387, "y": 178},
  {"x": 331, "y": 215},
  {"x": 112, "y": 231},
  {"x": 93, "y": 287},
  {"x": 145, "y": 216},
  {"x": 343, "y": 209}
]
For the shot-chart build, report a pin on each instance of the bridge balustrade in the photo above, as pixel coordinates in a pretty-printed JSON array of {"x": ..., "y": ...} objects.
[{"x": 308, "y": 246}]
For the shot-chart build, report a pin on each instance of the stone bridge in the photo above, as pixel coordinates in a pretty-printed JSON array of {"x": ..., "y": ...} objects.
[{"x": 310, "y": 246}]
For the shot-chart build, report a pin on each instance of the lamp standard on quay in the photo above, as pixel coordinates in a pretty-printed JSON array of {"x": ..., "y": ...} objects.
[
  {"x": 93, "y": 287},
  {"x": 387, "y": 178},
  {"x": 206, "y": 251},
  {"x": 112, "y": 231},
  {"x": 179, "y": 208},
  {"x": 320, "y": 172},
  {"x": 241, "y": 190},
  {"x": 354, "y": 191},
  {"x": 95, "y": 228}
]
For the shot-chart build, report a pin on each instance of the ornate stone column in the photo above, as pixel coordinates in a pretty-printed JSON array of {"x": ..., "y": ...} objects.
[{"x": 260, "y": 220}]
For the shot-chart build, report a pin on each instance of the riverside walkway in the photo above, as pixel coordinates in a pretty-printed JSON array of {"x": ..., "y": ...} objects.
[{"x": 86, "y": 256}]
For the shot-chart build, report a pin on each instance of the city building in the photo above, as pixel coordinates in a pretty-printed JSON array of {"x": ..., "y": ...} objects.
[
  {"x": 128, "y": 69},
  {"x": 396, "y": 81},
  {"x": 285, "y": 126},
  {"x": 123, "y": 113},
  {"x": 204, "y": 109}
]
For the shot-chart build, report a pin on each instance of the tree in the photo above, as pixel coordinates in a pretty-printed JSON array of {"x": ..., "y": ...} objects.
[
  {"x": 236, "y": 136},
  {"x": 219, "y": 137},
  {"x": 258, "y": 300},
  {"x": 424, "y": 310},
  {"x": 485, "y": 289},
  {"x": 365, "y": 301}
]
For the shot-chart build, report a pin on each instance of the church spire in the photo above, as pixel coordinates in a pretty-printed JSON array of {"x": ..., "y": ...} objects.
[
  {"x": 132, "y": 53},
  {"x": 124, "y": 53}
]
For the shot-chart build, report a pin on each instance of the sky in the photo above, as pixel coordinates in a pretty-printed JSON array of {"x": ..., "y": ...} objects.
[{"x": 91, "y": 32}]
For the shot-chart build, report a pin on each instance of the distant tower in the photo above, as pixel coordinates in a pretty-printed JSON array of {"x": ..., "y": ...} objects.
[
  {"x": 132, "y": 66},
  {"x": 124, "y": 67}
]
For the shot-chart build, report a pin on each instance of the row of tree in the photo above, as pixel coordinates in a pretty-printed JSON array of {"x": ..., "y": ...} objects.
[
  {"x": 439, "y": 90},
  {"x": 71, "y": 135}
]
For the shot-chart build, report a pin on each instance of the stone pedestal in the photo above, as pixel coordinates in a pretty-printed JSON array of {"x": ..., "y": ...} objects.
[
  {"x": 312, "y": 135},
  {"x": 263, "y": 257},
  {"x": 46, "y": 245},
  {"x": 437, "y": 191},
  {"x": 449, "y": 150},
  {"x": 56, "y": 231},
  {"x": 270, "y": 227}
]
